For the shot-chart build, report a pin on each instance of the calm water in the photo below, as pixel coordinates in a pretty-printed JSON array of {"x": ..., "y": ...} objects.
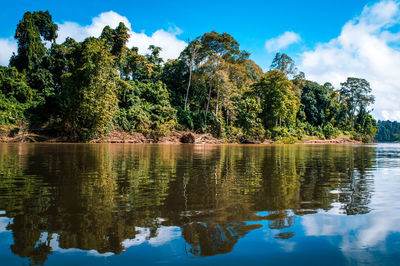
[{"x": 119, "y": 204}]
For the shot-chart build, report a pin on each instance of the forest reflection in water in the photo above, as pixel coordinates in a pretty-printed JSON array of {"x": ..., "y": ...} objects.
[{"x": 109, "y": 198}]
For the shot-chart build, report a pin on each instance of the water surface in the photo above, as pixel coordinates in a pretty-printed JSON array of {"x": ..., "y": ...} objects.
[{"x": 124, "y": 204}]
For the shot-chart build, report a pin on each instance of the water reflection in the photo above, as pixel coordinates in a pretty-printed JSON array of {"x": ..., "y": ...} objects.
[{"x": 108, "y": 198}]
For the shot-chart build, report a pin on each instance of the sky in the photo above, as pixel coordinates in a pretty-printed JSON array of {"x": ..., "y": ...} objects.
[{"x": 329, "y": 40}]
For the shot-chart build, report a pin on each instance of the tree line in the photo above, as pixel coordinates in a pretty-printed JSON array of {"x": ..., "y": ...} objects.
[
  {"x": 388, "y": 131},
  {"x": 85, "y": 90}
]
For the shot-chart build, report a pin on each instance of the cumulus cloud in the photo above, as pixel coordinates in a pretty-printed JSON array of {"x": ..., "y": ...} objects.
[
  {"x": 4, "y": 222},
  {"x": 7, "y": 47},
  {"x": 282, "y": 41},
  {"x": 79, "y": 32},
  {"x": 368, "y": 47},
  {"x": 164, "y": 235},
  {"x": 167, "y": 40}
]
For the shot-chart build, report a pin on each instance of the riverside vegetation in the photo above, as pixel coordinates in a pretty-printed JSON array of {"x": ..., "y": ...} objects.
[
  {"x": 388, "y": 131},
  {"x": 83, "y": 91}
]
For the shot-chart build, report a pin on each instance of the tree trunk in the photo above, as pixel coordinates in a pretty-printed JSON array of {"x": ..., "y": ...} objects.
[
  {"x": 194, "y": 52},
  {"x": 208, "y": 102},
  {"x": 188, "y": 87},
  {"x": 216, "y": 106}
]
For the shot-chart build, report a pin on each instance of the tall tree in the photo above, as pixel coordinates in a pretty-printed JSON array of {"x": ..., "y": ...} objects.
[
  {"x": 316, "y": 100},
  {"x": 285, "y": 64},
  {"x": 194, "y": 48},
  {"x": 33, "y": 31},
  {"x": 30, "y": 31},
  {"x": 90, "y": 90},
  {"x": 356, "y": 94},
  {"x": 116, "y": 38},
  {"x": 278, "y": 101},
  {"x": 155, "y": 59}
]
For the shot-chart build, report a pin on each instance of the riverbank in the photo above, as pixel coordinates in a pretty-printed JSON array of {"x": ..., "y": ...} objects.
[{"x": 175, "y": 137}]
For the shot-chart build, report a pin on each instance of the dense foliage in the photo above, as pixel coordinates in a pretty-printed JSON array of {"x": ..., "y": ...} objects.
[
  {"x": 84, "y": 90},
  {"x": 388, "y": 131}
]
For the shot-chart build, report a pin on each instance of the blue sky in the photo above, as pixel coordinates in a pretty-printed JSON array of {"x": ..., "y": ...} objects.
[
  {"x": 251, "y": 22},
  {"x": 329, "y": 40}
]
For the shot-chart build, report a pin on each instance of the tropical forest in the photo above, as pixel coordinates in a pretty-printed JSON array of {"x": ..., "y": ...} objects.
[{"x": 84, "y": 91}]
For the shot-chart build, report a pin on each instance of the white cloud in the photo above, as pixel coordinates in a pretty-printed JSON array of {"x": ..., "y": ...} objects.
[
  {"x": 359, "y": 234},
  {"x": 55, "y": 246},
  {"x": 79, "y": 33},
  {"x": 366, "y": 48},
  {"x": 282, "y": 41},
  {"x": 4, "y": 222},
  {"x": 7, "y": 47},
  {"x": 164, "y": 235},
  {"x": 167, "y": 40}
]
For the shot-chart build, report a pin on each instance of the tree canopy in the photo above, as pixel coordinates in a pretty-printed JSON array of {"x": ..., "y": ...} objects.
[{"x": 85, "y": 90}]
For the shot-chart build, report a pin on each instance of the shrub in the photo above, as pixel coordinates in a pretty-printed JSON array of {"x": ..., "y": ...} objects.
[
  {"x": 330, "y": 131},
  {"x": 286, "y": 140}
]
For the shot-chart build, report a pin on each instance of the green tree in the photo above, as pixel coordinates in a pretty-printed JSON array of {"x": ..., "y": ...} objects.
[
  {"x": 356, "y": 96},
  {"x": 134, "y": 66},
  {"x": 285, "y": 64},
  {"x": 367, "y": 126},
  {"x": 30, "y": 31},
  {"x": 16, "y": 97},
  {"x": 278, "y": 101},
  {"x": 316, "y": 100},
  {"x": 388, "y": 131},
  {"x": 194, "y": 48},
  {"x": 90, "y": 90},
  {"x": 116, "y": 39},
  {"x": 155, "y": 59},
  {"x": 216, "y": 74},
  {"x": 145, "y": 108}
]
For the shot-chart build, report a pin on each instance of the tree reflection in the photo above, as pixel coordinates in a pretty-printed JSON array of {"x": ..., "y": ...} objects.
[
  {"x": 93, "y": 197},
  {"x": 208, "y": 239}
]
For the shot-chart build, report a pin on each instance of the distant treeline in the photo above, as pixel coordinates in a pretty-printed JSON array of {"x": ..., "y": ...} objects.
[
  {"x": 84, "y": 90},
  {"x": 388, "y": 131}
]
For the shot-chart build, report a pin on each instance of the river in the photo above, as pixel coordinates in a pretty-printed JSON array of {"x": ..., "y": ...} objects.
[{"x": 145, "y": 204}]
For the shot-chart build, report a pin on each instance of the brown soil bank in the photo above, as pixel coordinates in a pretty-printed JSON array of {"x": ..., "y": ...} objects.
[
  {"x": 342, "y": 140},
  {"x": 174, "y": 137},
  {"x": 119, "y": 137}
]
